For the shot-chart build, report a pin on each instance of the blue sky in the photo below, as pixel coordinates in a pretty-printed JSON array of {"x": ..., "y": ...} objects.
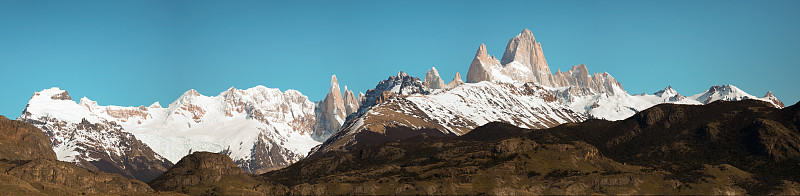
[{"x": 133, "y": 53}]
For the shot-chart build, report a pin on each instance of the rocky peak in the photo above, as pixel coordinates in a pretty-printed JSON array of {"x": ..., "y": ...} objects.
[
  {"x": 668, "y": 92},
  {"x": 334, "y": 81},
  {"x": 523, "y": 61},
  {"x": 455, "y": 82},
  {"x": 457, "y": 78},
  {"x": 771, "y": 97},
  {"x": 228, "y": 94},
  {"x": 330, "y": 113},
  {"x": 481, "y": 67},
  {"x": 23, "y": 141},
  {"x": 728, "y": 90},
  {"x": 482, "y": 53},
  {"x": 432, "y": 79},
  {"x": 54, "y": 93},
  {"x": 769, "y": 94},
  {"x": 61, "y": 96},
  {"x": 155, "y": 105},
  {"x": 400, "y": 85},
  {"x": 350, "y": 101},
  {"x": 87, "y": 102}
]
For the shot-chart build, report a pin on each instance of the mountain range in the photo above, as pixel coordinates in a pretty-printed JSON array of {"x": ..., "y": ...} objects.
[
  {"x": 731, "y": 148},
  {"x": 263, "y": 129}
]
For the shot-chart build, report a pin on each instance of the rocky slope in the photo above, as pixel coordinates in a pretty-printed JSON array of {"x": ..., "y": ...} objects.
[
  {"x": 28, "y": 166},
  {"x": 519, "y": 89},
  {"x": 455, "y": 82},
  {"x": 744, "y": 147},
  {"x": 260, "y": 128},
  {"x": 211, "y": 173}
]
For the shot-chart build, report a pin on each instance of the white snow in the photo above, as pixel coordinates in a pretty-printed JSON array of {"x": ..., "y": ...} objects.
[{"x": 231, "y": 121}]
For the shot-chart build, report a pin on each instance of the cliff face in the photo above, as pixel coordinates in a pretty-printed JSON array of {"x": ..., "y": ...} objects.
[
  {"x": 22, "y": 141},
  {"x": 433, "y": 80},
  {"x": 332, "y": 111},
  {"x": 271, "y": 129},
  {"x": 742, "y": 147}
]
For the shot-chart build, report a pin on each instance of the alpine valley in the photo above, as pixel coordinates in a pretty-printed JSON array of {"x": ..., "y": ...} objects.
[{"x": 511, "y": 127}]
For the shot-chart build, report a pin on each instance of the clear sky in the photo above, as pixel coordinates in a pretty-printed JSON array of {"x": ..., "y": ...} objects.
[{"x": 133, "y": 53}]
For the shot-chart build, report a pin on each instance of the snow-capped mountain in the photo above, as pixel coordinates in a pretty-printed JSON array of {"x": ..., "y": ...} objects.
[
  {"x": 404, "y": 101},
  {"x": 518, "y": 89},
  {"x": 597, "y": 95},
  {"x": 523, "y": 61},
  {"x": 260, "y": 128},
  {"x": 732, "y": 93},
  {"x": 621, "y": 106},
  {"x": 90, "y": 141}
]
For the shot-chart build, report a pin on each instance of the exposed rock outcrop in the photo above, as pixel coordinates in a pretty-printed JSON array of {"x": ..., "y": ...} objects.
[
  {"x": 523, "y": 61},
  {"x": 483, "y": 66},
  {"x": 771, "y": 97},
  {"x": 22, "y": 141},
  {"x": 432, "y": 79},
  {"x": 212, "y": 173},
  {"x": 351, "y": 102},
  {"x": 330, "y": 113},
  {"x": 129, "y": 157},
  {"x": 452, "y": 112},
  {"x": 523, "y": 50},
  {"x": 28, "y": 166},
  {"x": 455, "y": 82}
]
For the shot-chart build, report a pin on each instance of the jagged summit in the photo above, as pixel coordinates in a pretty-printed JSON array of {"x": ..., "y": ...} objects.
[
  {"x": 667, "y": 92},
  {"x": 351, "y": 102},
  {"x": 769, "y": 94},
  {"x": 524, "y": 49},
  {"x": 239, "y": 123},
  {"x": 457, "y": 78},
  {"x": 433, "y": 80},
  {"x": 455, "y": 82},
  {"x": 523, "y": 61},
  {"x": 771, "y": 97},
  {"x": 334, "y": 81}
]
